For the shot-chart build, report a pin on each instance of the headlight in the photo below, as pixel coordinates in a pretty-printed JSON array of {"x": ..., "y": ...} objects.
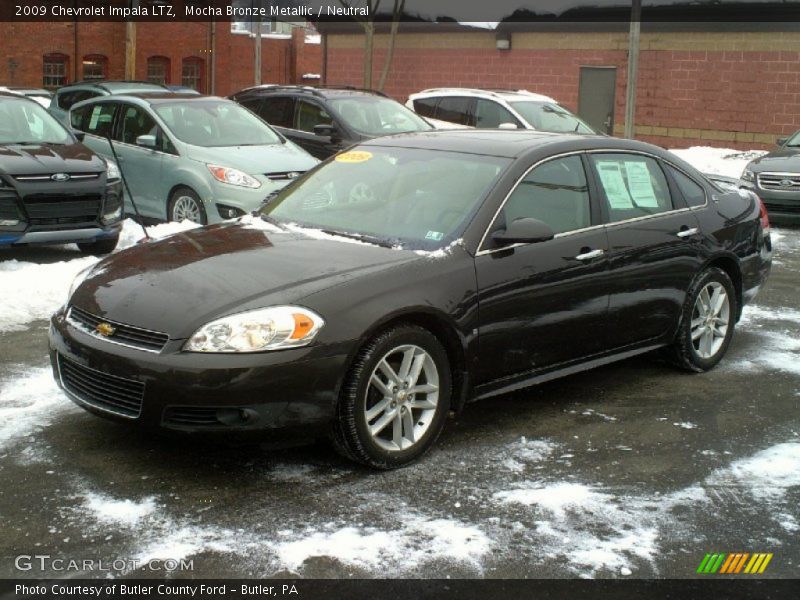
[
  {"x": 747, "y": 175},
  {"x": 233, "y": 177},
  {"x": 257, "y": 330},
  {"x": 79, "y": 279},
  {"x": 112, "y": 170}
]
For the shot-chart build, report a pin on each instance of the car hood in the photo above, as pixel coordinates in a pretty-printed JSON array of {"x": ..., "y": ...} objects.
[
  {"x": 273, "y": 158},
  {"x": 35, "y": 159},
  {"x": 783, "y": 160},
  {"x": 177, "y": 284}
]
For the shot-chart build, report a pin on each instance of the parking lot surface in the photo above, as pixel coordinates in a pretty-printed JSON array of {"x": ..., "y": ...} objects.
[{"x": 631, "y": 470}]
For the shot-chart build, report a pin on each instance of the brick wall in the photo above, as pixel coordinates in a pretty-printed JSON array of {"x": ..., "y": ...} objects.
[
  {"x": 722, "y": 89},
  {"x": 283, "y": 59}
]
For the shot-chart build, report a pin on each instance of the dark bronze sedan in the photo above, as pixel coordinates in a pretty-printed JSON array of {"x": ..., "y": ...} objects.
[{"x": 412, "y": 274}]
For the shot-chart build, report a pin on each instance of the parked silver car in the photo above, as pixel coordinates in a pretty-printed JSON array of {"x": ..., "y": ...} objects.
[{"x": 200, "y": 158}]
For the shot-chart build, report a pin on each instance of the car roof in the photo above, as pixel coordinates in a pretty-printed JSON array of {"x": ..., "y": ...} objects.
[
  {"x": 509, "y": 143},
  {"x": 318, "y": 91},
  {"x": 16, "y": 96},
  {"x": 115, "y": 87},
  {"x": 22, "y": 90},
  {"x": 496, "y": 94}
]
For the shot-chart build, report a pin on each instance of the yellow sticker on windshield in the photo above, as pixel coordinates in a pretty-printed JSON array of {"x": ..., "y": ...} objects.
[{"x": 356, "y": 156}]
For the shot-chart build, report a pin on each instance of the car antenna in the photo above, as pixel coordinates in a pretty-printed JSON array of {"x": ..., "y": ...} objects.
[{"x": 127, "y": 189}]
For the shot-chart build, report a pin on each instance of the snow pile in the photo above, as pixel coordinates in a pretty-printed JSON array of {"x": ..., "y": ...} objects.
[
  {"x": 33, "y": 291},
  {"x": 767, "y": 475},
  {"x": 441, "y": 252},
  {"x": 119, "y": 512},
  {"x": 719, "y": 161},
  {"x": 419, "y": 540},
  {"x": 555, "y": 498},
  {"x": 526, "y": 453},
  {"x": 28, "y": 403}
]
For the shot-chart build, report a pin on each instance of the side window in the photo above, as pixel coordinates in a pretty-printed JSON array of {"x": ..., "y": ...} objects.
[
  {"x": 79, "y": 118},
  {"x": 634, "y": 185},
  {"x": 692, "y": 191},
  {"x": 555, "y": 192},
  {"x": 425, "y": 106},
  {"x": 67, "y": 99},
  {"x": 251, "y": 104},
  {"x": 100, "y": 119},
  {"x": 136, "y": 122},
  {"x": 454, "y": 109},
  {"x": 309, "y": 115},
  {"x": 490, "y": 114},
  {"x": 277, "y": 111}
]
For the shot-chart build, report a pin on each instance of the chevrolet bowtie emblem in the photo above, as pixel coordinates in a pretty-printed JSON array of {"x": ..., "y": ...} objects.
[{"x": 105, "y": 329}]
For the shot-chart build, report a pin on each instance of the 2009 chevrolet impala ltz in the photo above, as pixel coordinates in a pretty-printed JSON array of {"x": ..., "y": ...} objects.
[{"x": 402, "y": 278}]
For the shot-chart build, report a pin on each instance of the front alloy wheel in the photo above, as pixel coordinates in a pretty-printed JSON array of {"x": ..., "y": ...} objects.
[{"x": 395, "y": 398}]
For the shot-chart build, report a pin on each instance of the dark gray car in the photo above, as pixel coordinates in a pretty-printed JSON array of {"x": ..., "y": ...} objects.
[{"x": 775, "y": 177}]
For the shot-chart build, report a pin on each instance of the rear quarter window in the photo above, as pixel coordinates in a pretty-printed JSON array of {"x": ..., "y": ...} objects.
[
  {"x": 425, "y": 106},
  {"x": 693, "y": 192}
]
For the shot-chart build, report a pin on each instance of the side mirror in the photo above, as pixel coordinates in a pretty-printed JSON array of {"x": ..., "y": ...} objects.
[
  {"x": 147, "y": 141},
  {"x": 781, "y": 141},
  {"x": 507, "y": 126},
  {"x": 326, "y": 131},
  {"x": 79, "y": 135},
  {"x": 524, "y": 231}
]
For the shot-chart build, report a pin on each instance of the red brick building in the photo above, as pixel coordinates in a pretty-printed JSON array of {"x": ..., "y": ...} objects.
[
  {"x": 213, "y": 58},
  {"x": 698, "y": 84}
]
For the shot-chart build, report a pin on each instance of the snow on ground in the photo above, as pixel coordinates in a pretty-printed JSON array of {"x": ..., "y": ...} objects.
[
  {"x": 33, "y": 291},
  {"x": 122, "y": 512},
  {"x": 719, "y": 161},
  {"x": 29, "y": 402},
  {"x": 779, "y": 350}
]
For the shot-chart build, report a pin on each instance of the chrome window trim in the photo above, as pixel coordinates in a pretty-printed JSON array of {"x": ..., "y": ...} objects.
[
  {"x": 81, "y": 327},
  {"x": 484, "y": 251}
]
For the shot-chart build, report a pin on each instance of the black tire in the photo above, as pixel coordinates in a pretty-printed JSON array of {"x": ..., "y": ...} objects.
[
  {"x": 99, "y": 247},
  {"x": 184, "y": 194},
  {"x": 683, "y": 352},
  {"x": 351, "y": 436}
]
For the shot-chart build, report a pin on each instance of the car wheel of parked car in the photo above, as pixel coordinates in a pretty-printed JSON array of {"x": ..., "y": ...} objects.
[
  {"x": 185, "y": 204},
  {"x": 708, "y": 320},
  {"x": 99, "y": 247},
  {"x": 395, "y": 399}
]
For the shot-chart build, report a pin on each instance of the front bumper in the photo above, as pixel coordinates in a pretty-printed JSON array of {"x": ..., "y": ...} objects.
[
  {"x": 223, "y": 197},
  {"x": 783, "y": 207},
  {"x": 292, "y": 390}
]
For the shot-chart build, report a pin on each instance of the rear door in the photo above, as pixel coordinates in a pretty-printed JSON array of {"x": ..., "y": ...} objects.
[
  {"x": 307, "y": 115},
  {"x": 655, "y": 246},
  {"x": 97, "y": 122},
  {"x": 544, "y": 304}
]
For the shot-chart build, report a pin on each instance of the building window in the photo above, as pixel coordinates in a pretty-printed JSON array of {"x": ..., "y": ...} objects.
[
  {"x": 55, "y": 70},
  {"x": 192, "y": 73},
  {"x": 95, "y": 66},
  {"x": 158, "y": 70}
]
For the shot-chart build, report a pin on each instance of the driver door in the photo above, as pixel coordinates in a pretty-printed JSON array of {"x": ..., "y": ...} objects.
[{"x": 545, "y": 304}]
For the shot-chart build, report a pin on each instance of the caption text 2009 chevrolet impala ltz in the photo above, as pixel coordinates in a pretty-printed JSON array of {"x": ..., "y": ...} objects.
[{"x": 407, "y": 276}]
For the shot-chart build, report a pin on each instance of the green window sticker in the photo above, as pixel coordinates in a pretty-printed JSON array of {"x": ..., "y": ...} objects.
[
  {"x": 434, "y": 235},
  {"x": 641, "y": 184}
]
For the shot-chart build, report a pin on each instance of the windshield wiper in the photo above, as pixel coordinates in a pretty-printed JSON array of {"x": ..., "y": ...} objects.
[{"x": 363, "y": 237}]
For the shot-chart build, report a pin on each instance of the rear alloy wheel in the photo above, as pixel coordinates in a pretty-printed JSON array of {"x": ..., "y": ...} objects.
[
  {"x": 708, "y": 322},
  {"x": 185, "y": 205},
  {"x": 395, "y": 399}
]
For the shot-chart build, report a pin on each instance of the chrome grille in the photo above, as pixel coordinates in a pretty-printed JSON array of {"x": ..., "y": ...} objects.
[
  {"x": 127, "y": 335},
  {"x": 100, "y": 390},
  {"x": 284, "y": 175},
  {"x": 49, "y": 177},
  {"x": 779, "y": 182}
]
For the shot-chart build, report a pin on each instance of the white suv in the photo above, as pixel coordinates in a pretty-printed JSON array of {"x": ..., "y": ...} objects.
[{"x": 497, "y": 109}]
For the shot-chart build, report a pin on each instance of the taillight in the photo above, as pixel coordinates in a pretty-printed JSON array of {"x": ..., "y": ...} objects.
[{"x": 764, "y": 216}]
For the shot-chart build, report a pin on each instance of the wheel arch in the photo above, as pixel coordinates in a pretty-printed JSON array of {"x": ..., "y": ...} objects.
[{"x": 445, "y": 330}]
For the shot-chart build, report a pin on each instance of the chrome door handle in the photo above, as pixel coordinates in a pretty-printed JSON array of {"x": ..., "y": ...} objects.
[
  {"x": 684, "y": 233},
  {"x": 590, "y": 255}
]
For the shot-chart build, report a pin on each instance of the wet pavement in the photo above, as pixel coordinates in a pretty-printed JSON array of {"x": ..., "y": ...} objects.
[{"x": 631, "y": 470}]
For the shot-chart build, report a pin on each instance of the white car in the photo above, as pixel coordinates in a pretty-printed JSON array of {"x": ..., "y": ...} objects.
[
  {"x": 41, "y": 95},
  {"x": 496, "y": 109}
]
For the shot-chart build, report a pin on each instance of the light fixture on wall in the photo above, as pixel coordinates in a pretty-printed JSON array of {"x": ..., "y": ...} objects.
[{"x": 503, "y": 40}]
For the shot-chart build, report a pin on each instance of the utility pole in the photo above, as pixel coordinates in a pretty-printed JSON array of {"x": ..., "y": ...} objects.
[
  {"x": 257, "y": 61},
  {"x": 130, "y": 50},
  {"x": 633, "y": 68}
]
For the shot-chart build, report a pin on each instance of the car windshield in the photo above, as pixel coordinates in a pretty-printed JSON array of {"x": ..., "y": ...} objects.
[
  {"x": 213, "y": 123},
  {"x": 23, "y": 121},
  {"x": 794, "y": 141},
  {"x": 419, "y": 199},
  {"x": 375, "y": 116},
  {"x": 547, "y": 116}
]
